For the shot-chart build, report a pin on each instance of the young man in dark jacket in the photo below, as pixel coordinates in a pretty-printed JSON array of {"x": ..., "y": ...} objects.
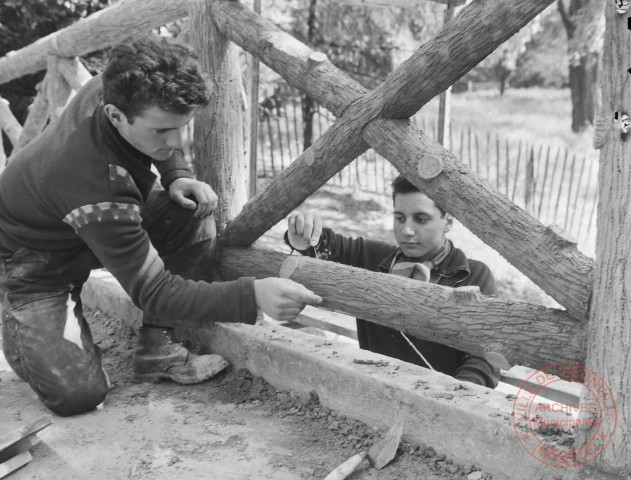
[
  {"x": 423, "y": 253},
  {"x": 82, "y": 196}
]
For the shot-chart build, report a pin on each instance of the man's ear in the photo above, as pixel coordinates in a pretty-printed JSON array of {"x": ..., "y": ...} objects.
[
  {"x": 449, "y": 222},
  {"x": 117, "y": 117}
]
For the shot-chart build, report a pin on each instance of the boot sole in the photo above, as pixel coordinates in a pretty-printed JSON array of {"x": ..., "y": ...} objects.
[{"x": 156, "y": 377}]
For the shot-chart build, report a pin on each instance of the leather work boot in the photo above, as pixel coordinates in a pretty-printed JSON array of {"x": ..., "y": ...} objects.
[{"x": 157, "y": 358}]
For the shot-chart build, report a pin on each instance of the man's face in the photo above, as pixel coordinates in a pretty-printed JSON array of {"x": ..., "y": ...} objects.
[
  {"x": 418, "y": 225},
  {"x": 154, "y": 132}
]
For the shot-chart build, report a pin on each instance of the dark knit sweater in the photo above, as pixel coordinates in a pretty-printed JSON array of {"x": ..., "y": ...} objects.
[
  {"x": 80, "y": 184},
  {"x": 454, "y": 271}
]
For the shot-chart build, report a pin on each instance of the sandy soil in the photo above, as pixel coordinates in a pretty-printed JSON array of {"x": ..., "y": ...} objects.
[{"x": 233, "y": 427}]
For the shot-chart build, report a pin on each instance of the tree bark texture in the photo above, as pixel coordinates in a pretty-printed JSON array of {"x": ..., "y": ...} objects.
[
  {"x": 549, "y": 260},
  {"x": 57, "y": 89},
  {"x": 524, "y": 334},
  {"x": 219, "y": 148},
  {"x": 74, "y": 72},
  {"x": 102, "y": 29},
  {"x": 609, "y": 340},
  {"x": 37, "y": 117},
  {"x": 8, "y": 122}
]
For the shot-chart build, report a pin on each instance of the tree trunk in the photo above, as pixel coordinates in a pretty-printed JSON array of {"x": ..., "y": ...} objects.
[
  {"x": 610, "y": 322},
  {"x": 583, "y": 70},
  {"x": 307, "y": 102}
]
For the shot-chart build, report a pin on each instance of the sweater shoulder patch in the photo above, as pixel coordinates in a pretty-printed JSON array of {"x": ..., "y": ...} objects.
[
  {"x": 119, "y": 174},
  {"x": 100, "y": 212}
]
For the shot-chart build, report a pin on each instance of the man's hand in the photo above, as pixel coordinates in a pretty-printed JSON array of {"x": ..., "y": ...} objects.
[
  {"x": 282, "y": 298},
  {"x": 304, "y": 229},
  {"x": 205, "y": 196}
]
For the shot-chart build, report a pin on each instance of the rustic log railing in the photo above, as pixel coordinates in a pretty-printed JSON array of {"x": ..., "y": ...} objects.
[
  {"x": 558, "y": 268},
  {"x": 526, "y": 334}
]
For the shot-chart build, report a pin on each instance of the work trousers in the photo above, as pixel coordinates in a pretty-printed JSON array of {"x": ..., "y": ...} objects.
[{"x": 46, "y": 339}]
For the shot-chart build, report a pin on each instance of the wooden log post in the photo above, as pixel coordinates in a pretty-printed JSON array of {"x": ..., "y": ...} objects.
[
  {"x": 8, "y": 123},
  {"x": 74, "y": 72},
  {"x": 524, "y": 334},
  {"x": 37, "y": 118},
  {"x": 57, "y": 89},
  {"x": 219, "y": 155},
  {"x": 451, "y": 53},
  {"x": 102, "y": 29},
  {"x": 610, "y": 319},
  {"x": 560, "y": 268}
]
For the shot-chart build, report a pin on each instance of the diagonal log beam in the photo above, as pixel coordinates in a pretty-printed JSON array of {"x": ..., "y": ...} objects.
[
  {"x": 548, "y": 259},
  {"x": 8, "y": 122},
  {"x": 342, "y": 142},
  {"x": 100, "y": 30},
  {"x": 525, "y": 334},
  {"x": 568, "y": 279}
]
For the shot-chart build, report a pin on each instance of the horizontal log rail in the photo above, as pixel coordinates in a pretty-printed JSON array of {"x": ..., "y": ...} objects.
[
  {"x": 524, "y": 334},
  {"x": 100, "y": 30},
  {"x": 569, "y": 272}
]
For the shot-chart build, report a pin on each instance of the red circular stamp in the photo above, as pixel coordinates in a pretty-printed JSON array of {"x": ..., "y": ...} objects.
[{"x": 547, "y": 429}]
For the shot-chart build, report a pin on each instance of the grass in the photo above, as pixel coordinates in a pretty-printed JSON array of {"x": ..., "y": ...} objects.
[{"x": 537, "y": 116}]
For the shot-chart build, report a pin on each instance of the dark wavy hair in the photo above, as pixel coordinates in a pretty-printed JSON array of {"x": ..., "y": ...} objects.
[
  {"x": 153, "y": 71},
  {"x": 402, "y": 185}
]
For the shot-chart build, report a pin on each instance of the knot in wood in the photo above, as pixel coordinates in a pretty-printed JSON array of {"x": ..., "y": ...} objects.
[{"x": 429, "y": 166}]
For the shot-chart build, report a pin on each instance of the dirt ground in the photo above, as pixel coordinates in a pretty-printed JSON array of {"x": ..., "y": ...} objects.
[{"x": 234, "y": 427}]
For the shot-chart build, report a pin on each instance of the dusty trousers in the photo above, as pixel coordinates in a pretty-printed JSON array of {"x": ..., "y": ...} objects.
[{"x": 46, "y": 339}]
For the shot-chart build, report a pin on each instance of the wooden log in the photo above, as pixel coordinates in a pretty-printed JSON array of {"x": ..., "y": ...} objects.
[
  {"x": 287, "y": 56},
  {"x": 8, "y": 440},
  {"x": 219, "y": 157},
  {"x": 100, "y": 30},
  {"x": 74, "y": 72},
  {"x": 342, "y": 142},
  {"x": 608, "y": 342},
  {"x": 551, "y": 262},
  {"x": 8, "y": 122},
  {"x": 524, "y": 334},
  {"x": 57, "y": 89},
  {"x": 37, "y": 117}
]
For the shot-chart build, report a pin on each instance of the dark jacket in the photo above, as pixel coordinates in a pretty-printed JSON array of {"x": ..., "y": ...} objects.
[{"x": 455, "y": 271}]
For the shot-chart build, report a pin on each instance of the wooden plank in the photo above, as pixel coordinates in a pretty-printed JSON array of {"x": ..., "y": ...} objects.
[
  {"x": 21, "y": 446},
  {"x": 33, "y": 427},
  {"x": 13, "y": 464},
  {"x": 102, "y": 29}
]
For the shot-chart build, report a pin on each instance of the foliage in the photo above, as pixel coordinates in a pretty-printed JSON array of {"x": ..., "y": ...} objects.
[
  {"x": 24, "y": 21},
  {"x": 545, "y": 59}
]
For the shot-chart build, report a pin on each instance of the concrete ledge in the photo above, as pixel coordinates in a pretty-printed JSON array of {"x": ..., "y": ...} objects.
[{"x": 470, "y": 423}]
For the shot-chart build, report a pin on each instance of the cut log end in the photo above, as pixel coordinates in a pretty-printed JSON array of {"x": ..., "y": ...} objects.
[
  {"x": 429, "y": 166},
  {"x": 288, "y": 267},
  {"x": 316, "y": 58},
  {"x": 563, "y": 235}
]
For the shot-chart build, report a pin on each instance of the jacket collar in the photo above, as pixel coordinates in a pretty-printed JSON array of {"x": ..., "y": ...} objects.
[{"x": 455, "y": 263}]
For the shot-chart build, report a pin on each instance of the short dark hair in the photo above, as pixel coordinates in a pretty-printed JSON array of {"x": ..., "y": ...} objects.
[
  {"x": 153, "y": 71},
  {"x": 402, "y": 185}
]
